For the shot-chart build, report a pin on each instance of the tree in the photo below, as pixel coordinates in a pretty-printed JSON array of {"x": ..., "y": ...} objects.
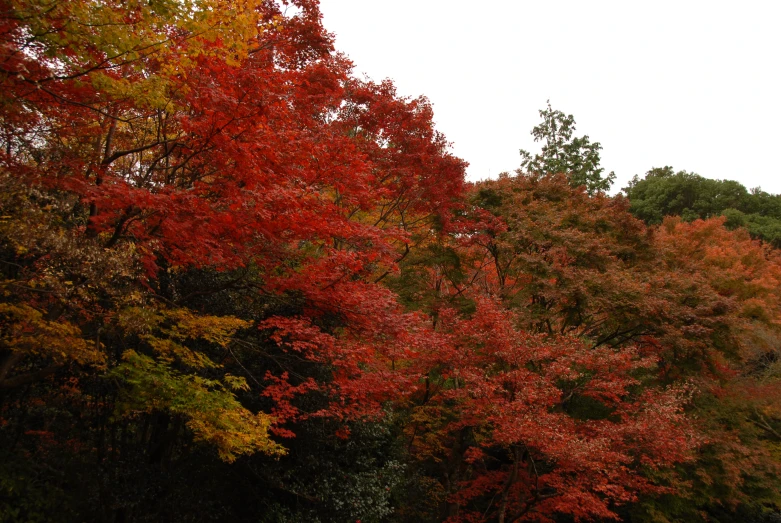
[
  {"x": 701, "y": 297},
  {"x": 735, "y": 475},
  {"x": 199, "y": 201},
  {"x": 570, "y": 262},
  {"x": 541, "y": 283},
  {"x": 578, "y": 158},
  {"x": 524, "y": 427},
  {"x": 664, "y": 192}
]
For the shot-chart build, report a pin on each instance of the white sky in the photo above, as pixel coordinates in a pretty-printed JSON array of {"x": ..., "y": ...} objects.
[{"x": 692, "y": 84}]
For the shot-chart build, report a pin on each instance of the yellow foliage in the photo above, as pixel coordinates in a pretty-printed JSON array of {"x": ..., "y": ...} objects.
[
  {"x": 213, "y": 413},
  {"x": 167, "y": 331},
  {"x": 26, "y": 330}
]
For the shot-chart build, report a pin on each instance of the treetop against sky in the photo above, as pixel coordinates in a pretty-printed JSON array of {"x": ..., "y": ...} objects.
[{"x": 689, "y": 84}]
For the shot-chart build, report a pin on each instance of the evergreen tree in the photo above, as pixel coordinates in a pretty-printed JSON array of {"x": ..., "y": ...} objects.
[{"x": 578, "y": 158}]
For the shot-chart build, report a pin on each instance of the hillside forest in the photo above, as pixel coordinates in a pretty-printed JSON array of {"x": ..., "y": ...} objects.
[{"x": 240, "y": 283}]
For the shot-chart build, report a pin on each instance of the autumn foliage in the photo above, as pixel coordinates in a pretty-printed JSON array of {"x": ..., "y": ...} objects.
[{"x": 241, "y": 283}]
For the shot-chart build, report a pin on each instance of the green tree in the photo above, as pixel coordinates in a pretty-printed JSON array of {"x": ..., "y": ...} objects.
[
  {"x": 664, "y": 192},
  {"x": 578, "y": 158}
]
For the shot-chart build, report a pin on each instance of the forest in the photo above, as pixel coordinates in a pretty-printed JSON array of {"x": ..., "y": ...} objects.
[{"x": 241, "y": 283}]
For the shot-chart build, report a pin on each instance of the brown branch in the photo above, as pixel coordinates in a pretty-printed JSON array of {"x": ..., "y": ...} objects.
[
  {"x": 30, "y": 377},
  {"x": 9, "y": 363},
  {"x": 119, "y": 154},
  {"x": 223, "y": 287},
  {"x": 763, "y": 424}
]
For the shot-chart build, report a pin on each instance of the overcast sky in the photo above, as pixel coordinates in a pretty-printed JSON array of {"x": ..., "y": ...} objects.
[{"x": 695, "y": 85}]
